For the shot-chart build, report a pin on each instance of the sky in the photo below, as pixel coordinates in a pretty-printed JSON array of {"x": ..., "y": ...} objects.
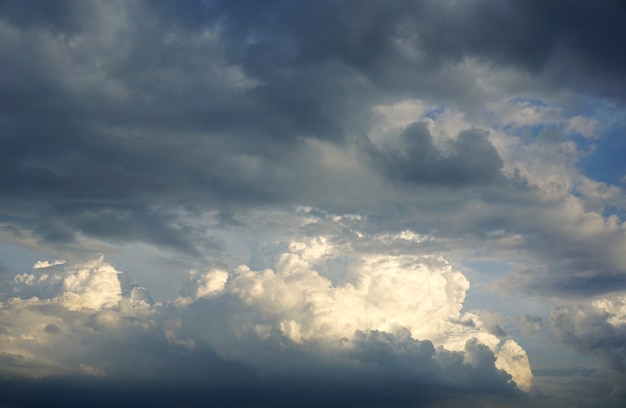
[{"x": 312, "y": 203}]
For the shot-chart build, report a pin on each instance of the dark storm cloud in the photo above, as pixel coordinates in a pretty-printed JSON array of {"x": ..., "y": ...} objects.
[
  {"x": 289, "y": 393},
  {"x": 63, "y": 15},
  {"x": 185, "y": 128},
  {"x": 531, "y": 34},
  {"x": 119, "y": 222},
  {"x": 552, "y": 281},
  {"x": 470, "y": 159},
  {"x": 574, "y": 44},
  {"x": 116, "y": 114},
  {"x": 386, "y": 371}
]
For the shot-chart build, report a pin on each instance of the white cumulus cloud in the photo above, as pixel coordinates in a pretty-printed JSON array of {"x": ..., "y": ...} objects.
[
  {"x": 380, "y": 313},
  {"x": 378, "y": 292},
  {"x": 47, "y": 264}
]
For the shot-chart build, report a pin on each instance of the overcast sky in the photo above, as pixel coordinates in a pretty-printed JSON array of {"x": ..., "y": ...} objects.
[{"x": 312, "y": 203}]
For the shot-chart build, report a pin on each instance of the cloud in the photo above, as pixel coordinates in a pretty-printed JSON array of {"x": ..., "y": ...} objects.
[
  {"x": 390, "y": 320},
  {"x": 513, "y": 359},
  {"x": 469, "y": 159},
  {"x": 92, "y": 285},
  {"x": 446, "y": 133},
  {"x": 378, "y": 293},
  {"x": 207, "y": 110},
  {"x": 596, "y": 326},
  {"x": 407, "y": 43},
  {"x": 530, "y": 325},
  {"x": 53, "y": 329},
  {"x": 47, "y": 264},
  {"x": 211, "y": 283}
]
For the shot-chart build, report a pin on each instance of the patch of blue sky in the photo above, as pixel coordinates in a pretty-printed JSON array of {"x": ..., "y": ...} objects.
[
  {"x": 435, "y": 112},
  {"x": 530, "y": 133},
  {"x": 600, "y": 109},
  {"x": 607, "y": 162},
  {"x": 603, "y": 157},
  {"x": 15, "y": 260},
  {"x": 517, "y": 129},
  {"x": 536, "y": 102},
  {"x": 482, "y": 274},
  {"x": 19, "y": 259}
]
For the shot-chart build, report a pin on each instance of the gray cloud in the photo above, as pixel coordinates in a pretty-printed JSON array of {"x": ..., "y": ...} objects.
[
  {"x": 203, "y": 105},
  {"x": 546, "y": 41},
  {"x": 596, "y": 327},
  {"x": 530, "y": 325},
  {"x": 469, "y": 160}
]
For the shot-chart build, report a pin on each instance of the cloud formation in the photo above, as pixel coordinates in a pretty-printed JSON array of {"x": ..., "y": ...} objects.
[
  {"x": 340, "y": 182},
  {"x": 388, "y": 317},
  {"x": 596, "y": 326},
  {"x": 467, "y": 160}
]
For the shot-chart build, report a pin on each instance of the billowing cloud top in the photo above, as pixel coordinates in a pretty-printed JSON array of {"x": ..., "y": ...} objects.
[
  {"x": 380, "y": 316},
  {"x": 418, "y": 198}
]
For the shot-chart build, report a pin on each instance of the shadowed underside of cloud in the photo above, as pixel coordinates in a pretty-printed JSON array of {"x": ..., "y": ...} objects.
[
  {"x": 468, "y": 160},
  {"x": 279, "y": 393},
  {"x": 545, "y": 40}
]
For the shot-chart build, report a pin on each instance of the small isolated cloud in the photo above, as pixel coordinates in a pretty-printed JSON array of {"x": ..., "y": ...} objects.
[{"x": 47, "y": 264}]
